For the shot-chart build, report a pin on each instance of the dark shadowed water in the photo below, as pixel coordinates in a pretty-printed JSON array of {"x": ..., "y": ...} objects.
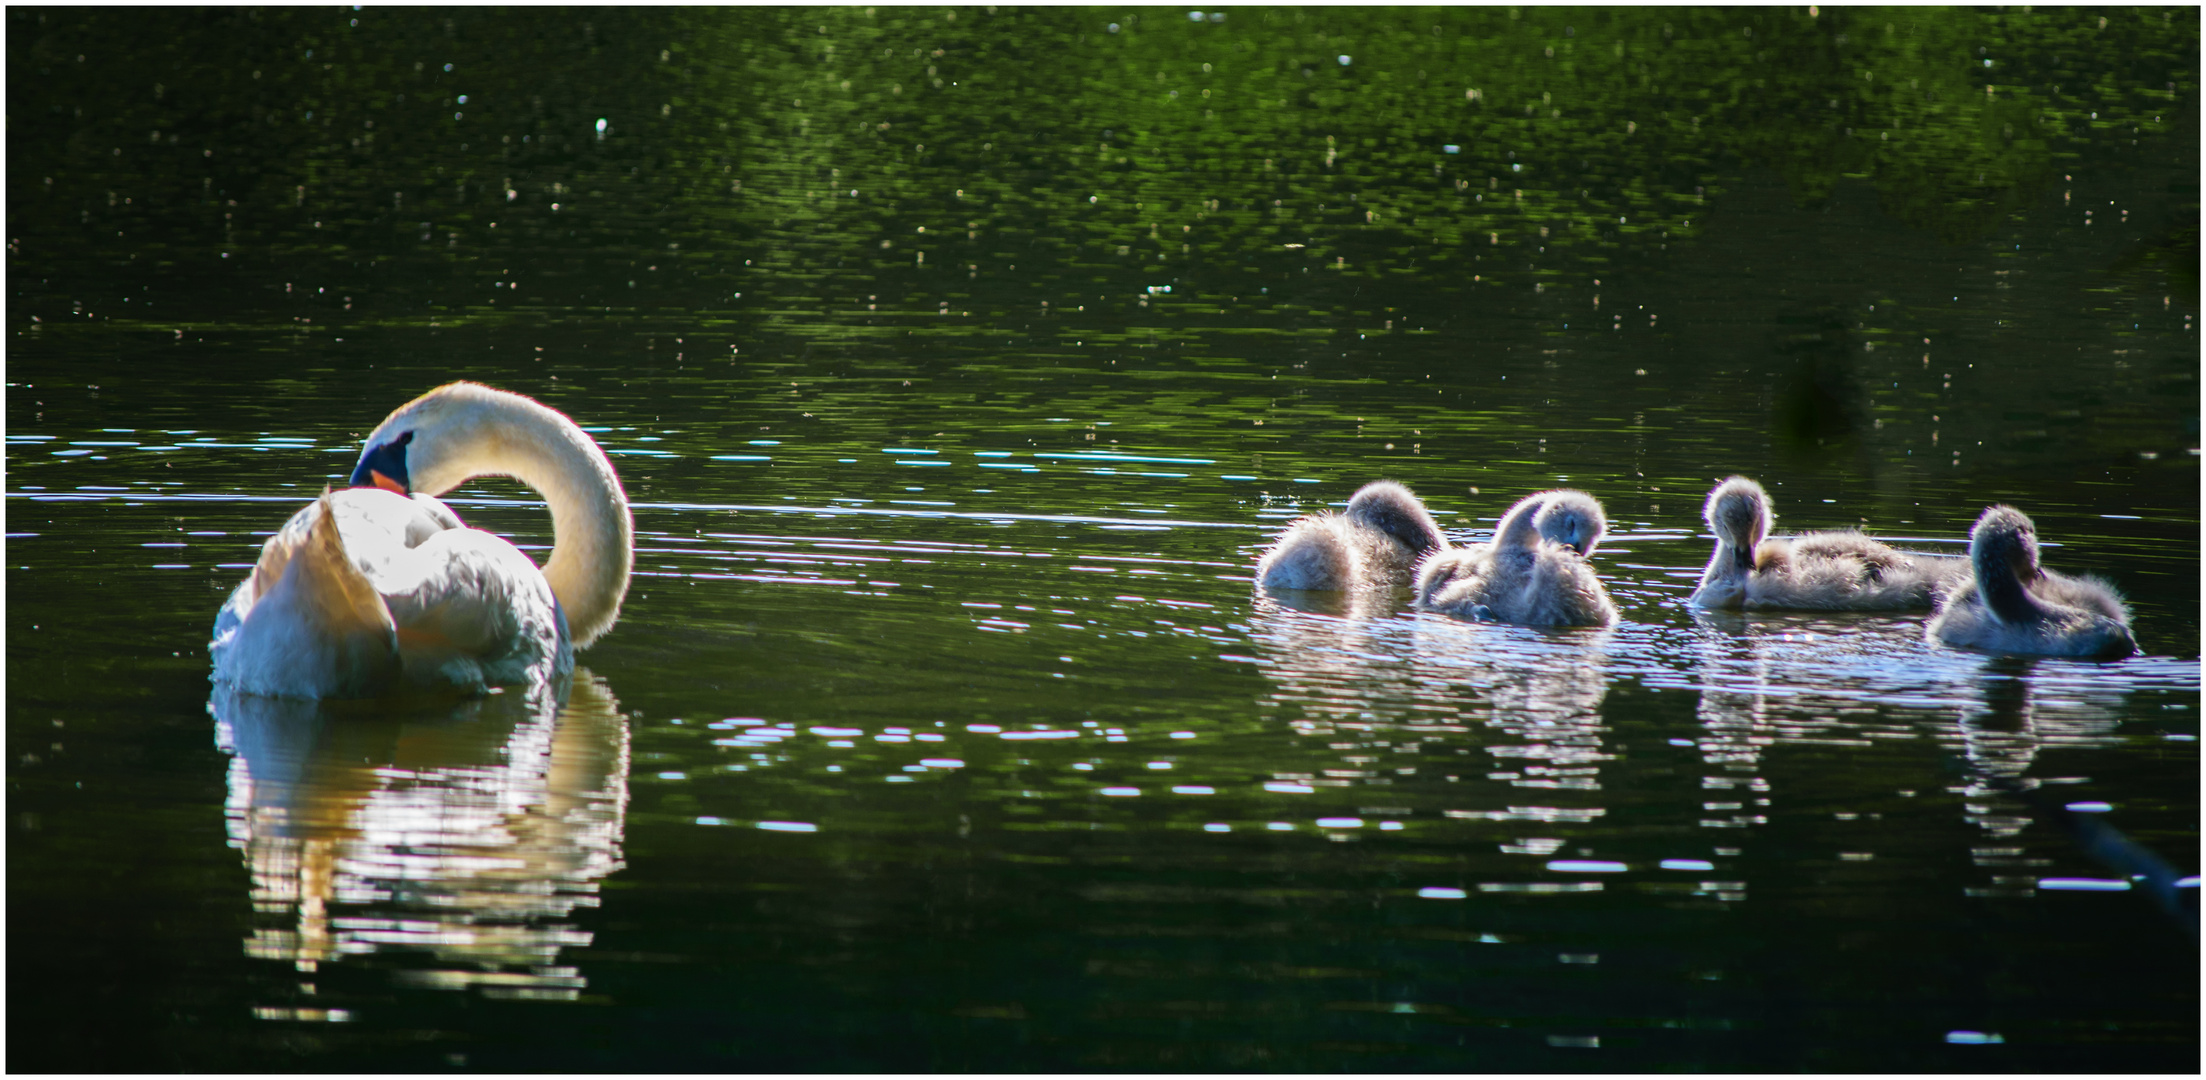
[{"x": 958, "y": 363}]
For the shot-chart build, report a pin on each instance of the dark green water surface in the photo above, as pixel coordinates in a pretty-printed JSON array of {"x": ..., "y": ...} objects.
[{"x": 958, "y": 363}]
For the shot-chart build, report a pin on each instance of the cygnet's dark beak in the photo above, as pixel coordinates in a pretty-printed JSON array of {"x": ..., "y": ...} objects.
[{"x": 1745, "y": 557}]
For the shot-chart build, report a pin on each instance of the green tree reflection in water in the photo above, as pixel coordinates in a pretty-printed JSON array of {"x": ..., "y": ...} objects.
[{"x": 824, "y": 160}]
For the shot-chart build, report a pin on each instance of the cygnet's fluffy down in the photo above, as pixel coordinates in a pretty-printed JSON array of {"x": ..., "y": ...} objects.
[
  {"x": 1533, "y": 574},
  {"x": 1374, "y": 543},
  {"x": 1818, "y": 571},
  {"x": 2014, "y": 605}
]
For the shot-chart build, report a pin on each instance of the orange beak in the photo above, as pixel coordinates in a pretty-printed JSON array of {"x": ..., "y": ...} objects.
[{"x": 387, "y": 484}]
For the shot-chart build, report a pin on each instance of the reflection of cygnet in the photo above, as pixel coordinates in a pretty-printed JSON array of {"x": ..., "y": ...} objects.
[
  {"x": 1819, "y": 571},
  {"x": 1376, "y": 542},
  {"x": 1533, "y": 574},
  {"x": 2016, "y": 606}
]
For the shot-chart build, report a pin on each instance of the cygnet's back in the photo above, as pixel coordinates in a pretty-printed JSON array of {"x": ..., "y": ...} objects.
[
  {"x": 2014, "y": 605},
  {"x": 1533, "y": 574},
  {"x": 1374, "y": 543},
  {"x": 1818, "y": 571}
]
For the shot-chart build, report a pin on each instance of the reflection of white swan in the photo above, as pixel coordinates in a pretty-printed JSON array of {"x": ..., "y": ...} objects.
[
  {"x": 1818, "y": 571},
  {"x": 371, "y": 590},
  {"x": 1374, "y": 542},
  {"x": 469, "y": 832},
  {"x": 1533, "y": 574},
  {"x": 2016, "y": 606}
]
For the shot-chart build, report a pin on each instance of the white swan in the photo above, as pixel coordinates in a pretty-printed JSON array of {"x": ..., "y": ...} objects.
[
  {"x": 1817, "y": 571},
  {"x": 1375, "y": 542},
  {"x": 1533, "y": 574},
  {"x": 380, "y": 589},
  {"x": 2016, "y": 606}
]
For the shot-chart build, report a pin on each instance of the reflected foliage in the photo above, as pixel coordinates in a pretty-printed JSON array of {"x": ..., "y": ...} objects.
[{"x": 845, "y": 156}]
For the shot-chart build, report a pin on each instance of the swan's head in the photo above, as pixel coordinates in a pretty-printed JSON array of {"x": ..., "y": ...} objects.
[
  {"x": 1571, "y": 518},
  {"x": 2004, "y": 538},
  {"x": 1738, "y": 513},
  {"x": 1396, "y": 511},
  {"x": 435, "y": 442}
]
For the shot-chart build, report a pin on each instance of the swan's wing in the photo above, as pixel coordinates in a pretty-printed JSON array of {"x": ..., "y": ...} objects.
[
  {"x": 1312, "y": 554},
  {"x": 472, "y": 611},
  {"x": 372, "y": 522},
  {"x": 2082, "y": 591},
  {"x": 430, "y": 516},
  {"x": 1563, "y": 590},
  {"x": 1841, "y": 571},
  {"x": 371, "y": 518},
  {"x": 1440, "y": 569},
  {"x": 307, "y": 623},
  {"x": 1900, "y": 572},
  {"x": 1462, "y": 581}
]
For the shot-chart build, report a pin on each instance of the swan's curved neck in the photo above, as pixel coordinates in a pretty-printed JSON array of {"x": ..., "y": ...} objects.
[
  {"x": 592, "y": 544},
  {"x": 1739, "y": 556},
  {"x": 592, "y": 533},
  {"x": 1729, "y": 560},
  {"x": 2003, "y": 588},
  {"x": 1518, "y": 530}
]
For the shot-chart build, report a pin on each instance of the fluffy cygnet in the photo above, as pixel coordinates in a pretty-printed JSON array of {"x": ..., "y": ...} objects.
[
  {"x": 1575, "y": 521},
  {"x": 1375, "y": 542},
  {"x": 1533, "y": 574},
  {"x": 1819, "y": 571},
  {"x": 2016, "y": 606}
]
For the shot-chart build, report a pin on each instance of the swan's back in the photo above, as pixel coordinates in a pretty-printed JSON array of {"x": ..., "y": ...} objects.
[
  {"x": 1839, "y": 570},
  {"x": 1549, "y": 585},
  {"x": 473, "y": 612},
  {"x": 366, "y": 592},
  {"x": 1563, "y": 590},
  {"x": 1374, "y": 543},
  {"x": 1311, "y": 554},
  {"x": 2084, "y": 592},
  {"x": 1964, "y": 620},
  {"x": 1844, "y": 571}
]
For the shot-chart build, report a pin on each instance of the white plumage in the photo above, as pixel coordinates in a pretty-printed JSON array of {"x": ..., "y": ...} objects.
[{"x": 378, "y": 590}]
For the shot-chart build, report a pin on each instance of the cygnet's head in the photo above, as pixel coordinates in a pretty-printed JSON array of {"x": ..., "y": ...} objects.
[
  {"x": 2004, "y": 538},
  {"x": 1738, "y": 513},
  {"x": 1396, "y": 511},
  {"x": 1571, "y": 518}
]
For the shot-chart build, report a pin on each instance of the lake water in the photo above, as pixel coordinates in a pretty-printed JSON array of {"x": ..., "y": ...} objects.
[{"x": 958, "y": 363}]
